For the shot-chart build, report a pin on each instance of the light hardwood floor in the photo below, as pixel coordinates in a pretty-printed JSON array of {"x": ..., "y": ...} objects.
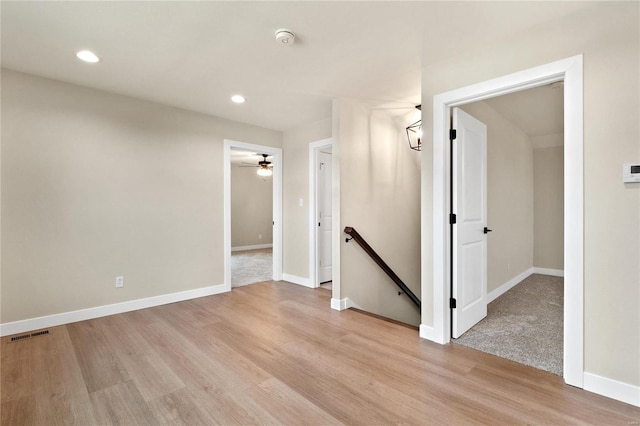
[{"x": 274, "y": 353}]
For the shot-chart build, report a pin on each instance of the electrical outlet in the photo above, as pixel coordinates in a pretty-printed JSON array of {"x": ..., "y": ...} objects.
[
  {"x": 119, "y": 282},
  {"x": 259, "y": 236}
]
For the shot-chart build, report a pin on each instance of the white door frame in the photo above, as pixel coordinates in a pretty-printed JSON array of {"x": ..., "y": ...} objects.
[
  {"x": 277, "y": 206},
  {"x": 314, "y": 149},
  {"x": 571, "y": 71}
]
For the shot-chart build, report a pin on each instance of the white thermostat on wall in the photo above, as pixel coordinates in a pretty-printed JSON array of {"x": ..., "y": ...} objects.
[{"x": 631, "y": 172}]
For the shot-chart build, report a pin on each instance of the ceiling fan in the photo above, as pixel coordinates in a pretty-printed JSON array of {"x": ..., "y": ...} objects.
[{"x": 264, "y": 166}]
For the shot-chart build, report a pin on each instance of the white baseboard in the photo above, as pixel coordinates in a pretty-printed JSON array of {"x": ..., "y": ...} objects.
[
  {"x": 427, "y": 332},
  {"x": 342, "y": 304},
  {"x": 508, "y": 285},
  {"x": 612, "y": 389},
  {"x": 103, "y": 311},
  {"x": 338, "y": 304},
  {"x": 297, "y": 280},
  {"x": 255, "y": 247},
  {"x": 546, "y": 271}
]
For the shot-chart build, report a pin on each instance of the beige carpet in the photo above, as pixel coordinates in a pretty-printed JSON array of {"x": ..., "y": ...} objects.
[
  {"x": 524, "y": 325},
  {"x": 251, "y": 266}
]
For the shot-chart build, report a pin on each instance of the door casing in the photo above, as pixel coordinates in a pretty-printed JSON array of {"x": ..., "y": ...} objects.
[{"x": 570, "y": 71}]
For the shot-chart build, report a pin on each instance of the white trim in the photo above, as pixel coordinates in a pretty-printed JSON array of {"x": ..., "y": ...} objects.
[
  {"x": 103, "y": 311},
  {"x": 426, "y": 332},
  {"x": 508, "y": 285},
  {"x": 612, "y": 389},
  {"x": 297, "y": 280},
  {"x": 314, "y": 149},
  {"x": 277, "y": 205},
  {"x": 342, "y": 304},
  {"x": 254, "y": 247},
  {"x": 336, "y": 238},
  {"x": 547, "y": 271},
  {"x": 338, "y": 305},
  {"x": 571, "y": 71}
]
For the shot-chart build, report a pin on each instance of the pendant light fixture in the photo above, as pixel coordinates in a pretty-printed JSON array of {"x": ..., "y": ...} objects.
[
  {"x": 414, "y": 133},
  {"x": 264, "y": 171},
  {"x": 264, "y": 168}
]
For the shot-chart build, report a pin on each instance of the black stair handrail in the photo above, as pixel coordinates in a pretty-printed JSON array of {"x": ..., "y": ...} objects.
[{"x": 381, "y": 263}]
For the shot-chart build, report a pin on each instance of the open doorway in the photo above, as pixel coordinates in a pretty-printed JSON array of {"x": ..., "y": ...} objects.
[
  {"x": 251, "y": 217},
  {"x": 273, "y": 162},
  {"x": 570, "y": 71},
  {"x": 320, "y": 214},
  {"x": 523, "y": 316}
]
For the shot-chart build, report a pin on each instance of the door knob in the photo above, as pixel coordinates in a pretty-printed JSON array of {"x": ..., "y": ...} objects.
[{"x": 487, "y": 230}]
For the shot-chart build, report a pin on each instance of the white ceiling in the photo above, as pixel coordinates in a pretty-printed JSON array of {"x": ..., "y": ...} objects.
[{"x": 195, "y": 55}]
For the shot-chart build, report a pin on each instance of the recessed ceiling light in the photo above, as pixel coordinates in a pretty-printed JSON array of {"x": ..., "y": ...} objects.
[
  {"x": 238, "y": 99},
  {"x": 87, "y": 56}
]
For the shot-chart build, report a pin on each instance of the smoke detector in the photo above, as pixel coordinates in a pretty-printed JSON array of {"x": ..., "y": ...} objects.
[{"x": 285, "y": 36}]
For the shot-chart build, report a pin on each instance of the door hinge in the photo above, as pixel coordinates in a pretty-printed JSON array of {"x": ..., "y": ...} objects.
[
  {"x": 452, "y": 218},
  {"x": 452, "y": 134},
  {"x": 452, "y": 303}
]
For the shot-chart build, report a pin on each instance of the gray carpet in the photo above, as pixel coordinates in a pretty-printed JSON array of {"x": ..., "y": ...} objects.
[
  {"x": 524, "y": 325},
  {"x": 250, "y": 267}
]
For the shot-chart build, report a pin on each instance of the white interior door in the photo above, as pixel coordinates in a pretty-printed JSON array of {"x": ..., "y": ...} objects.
[
  {"x": 323, "y": 216},
  {"x": 469, "y": 237}
]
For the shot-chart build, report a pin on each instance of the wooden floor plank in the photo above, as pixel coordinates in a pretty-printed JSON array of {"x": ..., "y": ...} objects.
[
  {"x": 274, "y": 353},
  {"x": 308, "y": 380},
  {"x": 179, "y": 408},
  {"x": 194, "y": 360},
  {"x": 49, "y": 373},
  {"x": 19, "y": 411},
  {"x": 122, "y": 404},
  {"x": 18, "y": 372},
  {"x": 286, "y": 405},
  {"x": 98, "y": 362},
  {"x": 144, "y": 366},
  {"x": 333, "y": 360},
  {"x": 61, "y": 397}
]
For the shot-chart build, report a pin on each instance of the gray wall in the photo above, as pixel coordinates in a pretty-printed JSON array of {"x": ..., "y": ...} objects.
[
  {"x": 251, "y": 207},
  {"x": 380, "y": 197},
  {"x": 295, "y": 145},
  {"x": 96, "y": 185},
  {"x": 548, "y": 223}
]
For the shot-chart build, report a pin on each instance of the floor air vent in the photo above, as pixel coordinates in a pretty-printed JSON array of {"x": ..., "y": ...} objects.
[
  {"x": 16, "y": 338},
  {"x": 28, "y": 336}
]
